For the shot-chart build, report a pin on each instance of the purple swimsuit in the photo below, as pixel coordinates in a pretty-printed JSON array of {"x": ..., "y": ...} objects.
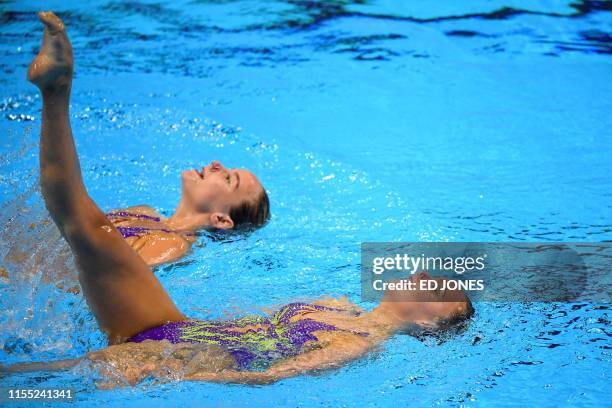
[
  {"x": 127, "y": 232},
  {"x": 254, "y": 341}
]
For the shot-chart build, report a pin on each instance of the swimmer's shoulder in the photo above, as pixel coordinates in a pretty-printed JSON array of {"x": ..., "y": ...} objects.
[
  {"x": 341, "y": 302},
  {"x": 161, "y": 247}
]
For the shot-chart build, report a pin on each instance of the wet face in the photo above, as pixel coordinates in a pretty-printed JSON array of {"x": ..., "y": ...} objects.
[
  {"x": 217, "y": 189},
  {"x": 426, "y": 306}
]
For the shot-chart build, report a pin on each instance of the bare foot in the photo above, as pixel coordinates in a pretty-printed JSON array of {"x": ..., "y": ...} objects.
[{"x": 52, "y": 68}]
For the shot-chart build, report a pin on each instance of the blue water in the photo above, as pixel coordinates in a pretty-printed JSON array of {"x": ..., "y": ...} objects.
[{"x": 366, "y": 121}]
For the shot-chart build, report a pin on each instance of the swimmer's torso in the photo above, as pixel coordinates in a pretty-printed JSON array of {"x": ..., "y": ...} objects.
[
  {"x": 146, "y": 232},
  {"x": 255, "y": 342}
]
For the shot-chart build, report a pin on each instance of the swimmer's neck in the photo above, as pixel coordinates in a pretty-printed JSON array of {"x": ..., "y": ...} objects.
[
  {"x": 387, "y": 321},
  {"x": 187, "y": 219}
]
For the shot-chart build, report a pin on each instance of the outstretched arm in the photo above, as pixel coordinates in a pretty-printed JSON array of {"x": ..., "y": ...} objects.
[
  {"x": 59, "y": 365},
  {"x": 124, "y": 295}
]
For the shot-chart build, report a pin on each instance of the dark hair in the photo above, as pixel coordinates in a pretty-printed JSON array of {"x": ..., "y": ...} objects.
[
  {"x": 253, "y": 213},
  {"x": 445, "y": 328},
  {"x": 455, "y": 320}
]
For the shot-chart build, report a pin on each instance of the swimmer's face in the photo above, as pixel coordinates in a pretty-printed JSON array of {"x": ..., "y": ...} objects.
[
  {"x": 426, "y": 306},
  {"x": 214, "y": 189}
]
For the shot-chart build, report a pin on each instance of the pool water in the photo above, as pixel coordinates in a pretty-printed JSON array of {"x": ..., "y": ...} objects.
[{"x": 366, "y": 121}]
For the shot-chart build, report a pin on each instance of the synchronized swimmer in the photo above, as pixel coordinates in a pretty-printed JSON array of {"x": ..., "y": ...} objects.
[
  {"x": 212, "y": 197},
  {"x": 148, "y": 335}
]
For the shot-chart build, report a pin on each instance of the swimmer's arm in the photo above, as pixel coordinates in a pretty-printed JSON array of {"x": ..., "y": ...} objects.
[
  {"x": 332, "y": 356},
  {"x": 60, "y": 365},
  {"x": 346, "y": 348}
]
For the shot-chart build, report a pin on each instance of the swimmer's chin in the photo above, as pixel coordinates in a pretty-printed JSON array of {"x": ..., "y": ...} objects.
[{"x": 191, "y": 175}]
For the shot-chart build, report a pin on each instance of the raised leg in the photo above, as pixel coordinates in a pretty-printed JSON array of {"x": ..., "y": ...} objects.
[{"x": 120, "y": 288}]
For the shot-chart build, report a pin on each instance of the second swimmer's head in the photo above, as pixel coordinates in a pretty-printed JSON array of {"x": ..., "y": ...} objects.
[
  {"x": 427, "y": 310},
  {"x": 229, "y": 198}
]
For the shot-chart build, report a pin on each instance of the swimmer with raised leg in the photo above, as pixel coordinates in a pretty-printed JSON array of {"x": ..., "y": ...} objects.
[
  {"x": 213, "y": 197},
  {"x": 149, "y": 336}
]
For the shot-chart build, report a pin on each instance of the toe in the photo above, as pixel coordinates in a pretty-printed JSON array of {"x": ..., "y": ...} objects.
[{"x": 51, "y": 21}]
